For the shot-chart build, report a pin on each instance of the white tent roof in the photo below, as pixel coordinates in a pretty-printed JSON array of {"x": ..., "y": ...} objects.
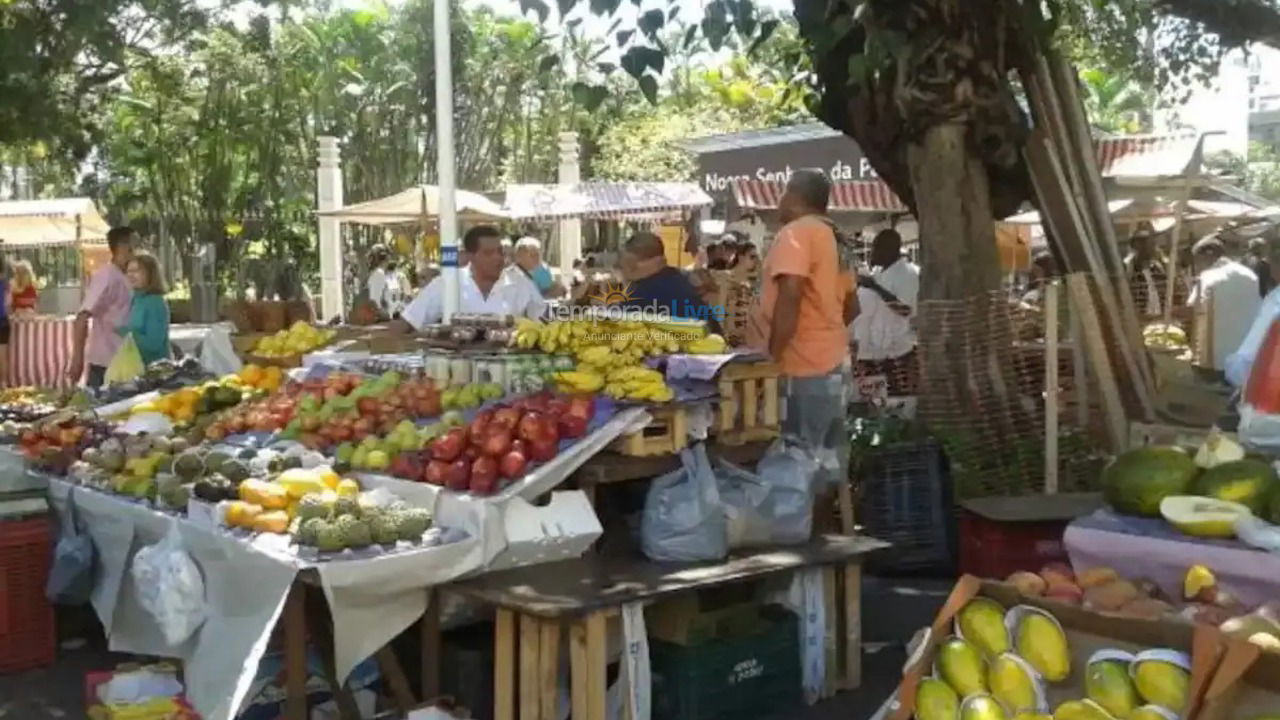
[
  {"x": 601, "y": 200},
  {"x": 39, "y": 223},
  {"x": 412, "y": 204}
]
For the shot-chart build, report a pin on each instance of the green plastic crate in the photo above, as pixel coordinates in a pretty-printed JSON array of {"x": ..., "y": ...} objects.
[{"x": 738, "y": 677}]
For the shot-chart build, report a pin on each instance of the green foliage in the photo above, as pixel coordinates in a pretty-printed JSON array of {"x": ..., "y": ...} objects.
[
  {"x": 1116, "y": 103},
  {"x": 1259, "y": 174}
]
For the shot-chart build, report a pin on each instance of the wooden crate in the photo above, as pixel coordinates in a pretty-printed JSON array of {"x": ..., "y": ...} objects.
[
  {"x": 666, "y": 434},
  {"x": 748, "y": 405}
]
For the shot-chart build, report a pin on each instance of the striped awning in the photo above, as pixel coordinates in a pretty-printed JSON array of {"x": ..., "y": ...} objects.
[
  {"x": 851, "y": 196},
  {"x": 603, "y": 200},
  {"x": 1148, "y": 155}
]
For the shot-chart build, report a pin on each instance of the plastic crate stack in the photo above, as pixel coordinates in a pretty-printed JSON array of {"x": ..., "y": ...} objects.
[
  {"x": 27, "y": 630},
  {"x": 904, "y": 497}
]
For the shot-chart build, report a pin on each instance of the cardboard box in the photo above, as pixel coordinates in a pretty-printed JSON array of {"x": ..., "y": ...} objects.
[
  {"x": 563, "y": 528},
  {"x": 1245, "y": 686},
  {"x": 1086, "y": 631}
]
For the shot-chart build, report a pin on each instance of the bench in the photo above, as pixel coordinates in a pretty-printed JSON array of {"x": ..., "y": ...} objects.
[{"x": 537, "y": 605}]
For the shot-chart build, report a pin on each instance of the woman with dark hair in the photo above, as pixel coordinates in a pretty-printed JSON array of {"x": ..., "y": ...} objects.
[{"x": 148, "y": 320}]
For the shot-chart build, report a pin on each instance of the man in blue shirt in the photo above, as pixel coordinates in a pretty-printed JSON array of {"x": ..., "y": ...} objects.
[{"x": 651, "y": 281}]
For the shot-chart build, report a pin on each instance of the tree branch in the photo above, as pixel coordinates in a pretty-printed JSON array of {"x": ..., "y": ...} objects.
[{"x": 1236, "y": 22}]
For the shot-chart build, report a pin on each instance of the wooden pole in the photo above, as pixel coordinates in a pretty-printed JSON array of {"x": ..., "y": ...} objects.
[
  {"x": 1051, "y": 388},
  {"x": 1179, "y": 211},
  {"x": 1108, "y": 391}
]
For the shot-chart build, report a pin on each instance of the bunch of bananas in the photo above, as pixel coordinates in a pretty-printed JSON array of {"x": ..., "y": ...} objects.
[
  {"x": 619, "y": 374},
  {"x": 637, "y": 339},
  {"x": 638, "y": 383}
]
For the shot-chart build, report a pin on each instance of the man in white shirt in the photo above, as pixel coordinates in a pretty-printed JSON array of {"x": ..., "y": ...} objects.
[
  {"x": 883, "y": 331},
  {"x": 1226, "y": 295},
  {"x": 484, "y": 286},
  {"x": 1240, "y": 362},
  {"x": 377, "y": 283}
]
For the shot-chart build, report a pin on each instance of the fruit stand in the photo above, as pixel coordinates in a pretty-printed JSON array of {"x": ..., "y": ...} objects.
[{"x": 360, "y": 487}]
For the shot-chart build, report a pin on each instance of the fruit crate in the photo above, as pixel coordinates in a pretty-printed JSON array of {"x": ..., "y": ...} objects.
[
  {"x": 1001, "y": 535},
  {"x": 756, "y": 674},
  {"x": 666, "y": 434},
  {"x": 27, "y": 631},
  {"x": 748, "y": 407},
  {"x": 904, "y": 497}
]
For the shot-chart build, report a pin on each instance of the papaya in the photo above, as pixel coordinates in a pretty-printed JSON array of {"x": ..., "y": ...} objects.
[
  {"x": 981, "y": 622},
  {"x": 935, "y": 700}
]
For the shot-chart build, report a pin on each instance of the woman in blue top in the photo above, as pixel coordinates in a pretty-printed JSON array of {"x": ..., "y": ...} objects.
[{"x": 149, "y": 312}]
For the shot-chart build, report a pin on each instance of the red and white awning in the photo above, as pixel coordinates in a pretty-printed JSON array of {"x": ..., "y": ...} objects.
[
  {"x": 851, "y": 196},
  {"x": 603, "y": 200},
  {"x": 1148, "y": 156}
]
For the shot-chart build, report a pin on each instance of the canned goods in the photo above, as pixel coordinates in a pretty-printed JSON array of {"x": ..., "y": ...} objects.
[{"x": 460, "y": 371}]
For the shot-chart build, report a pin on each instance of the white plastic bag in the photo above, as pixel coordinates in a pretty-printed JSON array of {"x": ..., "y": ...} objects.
[
  {"x": 683, "y": 515},
  {"x": 170, "y": 587},
  {"x": 748, "y": 506},
  {"x": 1258, "y": 533},
  {"x": 790, "y": 472}
]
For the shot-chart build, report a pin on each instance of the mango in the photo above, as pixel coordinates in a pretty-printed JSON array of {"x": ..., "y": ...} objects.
[
  {"x": 982, "y": 707},
  {"x": 1041, "y": 642},
  {"x": 1015, "y": 684},
  {"x": 1107, "y": 683},
  {"x": 1162, "y": 678}
]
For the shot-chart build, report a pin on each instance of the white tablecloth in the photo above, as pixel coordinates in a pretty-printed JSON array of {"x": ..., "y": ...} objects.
[{"x": 211, "y": 344}]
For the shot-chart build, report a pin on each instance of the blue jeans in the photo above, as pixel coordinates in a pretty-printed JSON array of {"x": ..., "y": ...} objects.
[{"x": 813, "y": 410}]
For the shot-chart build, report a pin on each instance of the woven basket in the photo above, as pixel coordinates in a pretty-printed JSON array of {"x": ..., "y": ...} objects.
[{"x": 272, "y": 316}]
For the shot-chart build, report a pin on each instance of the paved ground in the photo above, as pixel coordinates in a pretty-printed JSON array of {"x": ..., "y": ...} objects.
[{"x": 893, "y": 610}]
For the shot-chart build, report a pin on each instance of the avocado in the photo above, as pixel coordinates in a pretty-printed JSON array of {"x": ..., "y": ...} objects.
[
  {"x": 214, "y": 460},
  {"x": 235, "y": 471}
]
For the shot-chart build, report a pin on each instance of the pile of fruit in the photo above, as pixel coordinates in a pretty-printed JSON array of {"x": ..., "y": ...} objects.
[
  {"x": 129, "y": 465},
  {"x": 1204, "y": 496},
  {"x": 26, "y": 404},
  {"x": 1164, "y": 337},
  {"x": 255, "y": 377},
  {"x": 1202, "y": 600},
  {"x": 299, "y": 339},
  {"x": 184, "y": 406},
  {"x": 998, "y": 663},
  {"x": 53, "y": 444},
  {"x": 498, "y": 446}
]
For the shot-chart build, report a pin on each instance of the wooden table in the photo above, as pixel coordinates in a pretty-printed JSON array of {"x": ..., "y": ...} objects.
[{"x": 536, "y": 605}]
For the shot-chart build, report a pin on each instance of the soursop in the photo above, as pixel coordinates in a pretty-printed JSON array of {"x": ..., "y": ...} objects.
[
  {"x": 384, "y": 529},
  {"x": 329, "y": 536},
  {"x": 309, "y": 531},
  {"x": 412, "y": 523},
  {"x": 355, "y": 532},
  {"x": 345, "y": 506},
  {"x": 188, "y": 465},
  {"x": 312, "y": 506}
]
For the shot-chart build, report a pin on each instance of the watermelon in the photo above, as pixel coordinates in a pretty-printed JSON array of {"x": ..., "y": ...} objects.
[
  {"x": 1248, "y": 482},
  {"x": 1136, "y": 481}
]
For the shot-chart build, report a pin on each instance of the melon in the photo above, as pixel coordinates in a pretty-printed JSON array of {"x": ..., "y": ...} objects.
[
  {"x": 1201, "y": 516},
  {"x": 1248, "y": 482},
  {"x": 1136, "y": 481}
]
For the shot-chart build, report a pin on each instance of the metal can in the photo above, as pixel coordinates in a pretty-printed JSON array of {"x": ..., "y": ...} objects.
[{"x": 460, "y": 370}]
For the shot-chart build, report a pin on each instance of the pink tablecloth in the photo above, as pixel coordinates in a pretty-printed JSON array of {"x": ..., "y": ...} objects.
[
  {"x": 1150, "y": 548},
  {"x": 39, "y": 350}
]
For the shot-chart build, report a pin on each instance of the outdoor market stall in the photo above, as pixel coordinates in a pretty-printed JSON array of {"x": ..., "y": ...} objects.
[{"x": 64, "y": 240}]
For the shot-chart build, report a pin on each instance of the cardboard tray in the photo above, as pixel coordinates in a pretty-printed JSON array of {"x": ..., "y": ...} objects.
[
  {"x": 1246, "y": 684},
  {"x": 1087, "y": 632}
]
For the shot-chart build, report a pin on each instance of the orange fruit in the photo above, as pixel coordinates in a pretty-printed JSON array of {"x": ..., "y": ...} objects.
[{"x": 251, "y": 374}]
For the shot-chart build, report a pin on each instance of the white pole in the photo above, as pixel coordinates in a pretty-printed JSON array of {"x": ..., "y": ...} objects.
[
  {"x": 329, "y": 197},
  {"x": 445, "y": 170},
  {"x": 570, "y": 231}
]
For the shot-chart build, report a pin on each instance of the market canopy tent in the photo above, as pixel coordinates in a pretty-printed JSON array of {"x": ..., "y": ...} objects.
[
  {"x": 603, "y": 200},
  {"x": 412, "y": 205},
  {"x": 50, "y": 223}
]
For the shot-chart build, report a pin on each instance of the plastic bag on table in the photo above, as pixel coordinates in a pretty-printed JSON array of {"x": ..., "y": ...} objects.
[
  {"x": 71, "y": 573},
  {"x": 170, "y": 587},
  {"x": 790, "y": 471},
  {"x": 683, "y": 514},
  {"x": 748, "y": 506},
  {"x": 1258, "y": 533},
  {"x": 127, "y": 363}
]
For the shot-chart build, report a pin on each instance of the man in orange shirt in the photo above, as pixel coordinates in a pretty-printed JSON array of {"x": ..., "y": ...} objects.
[{"x": 806, "y": 304}]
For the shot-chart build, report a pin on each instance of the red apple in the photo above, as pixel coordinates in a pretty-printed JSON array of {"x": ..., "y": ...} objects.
[
  {"x": 265, "y": 423},
  {"x": 447, "y": 447},
  {"x": 363, "y": 425},
  {"x": 496, "y": 442},
  {"x": 537, "y": 403},
  {"x": 513, "y": 464},
  {"x": 571, "y": 426},
  {"x": 480, "y": 424},
  {"x": 436, "y": 472},
  {"x": 557, "y": 406},
  {"x": 367, "y": 405},
  {"x": 520, "y": 446},
  {"x": 458, "y": 476},
  {"x": 484, "y": 475},
  {"x": 507, "y": 416},
  {"x": 471, "y": 452},
  {"x": 530, "y": 425},
  {"x": 542, "y": 448}
]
